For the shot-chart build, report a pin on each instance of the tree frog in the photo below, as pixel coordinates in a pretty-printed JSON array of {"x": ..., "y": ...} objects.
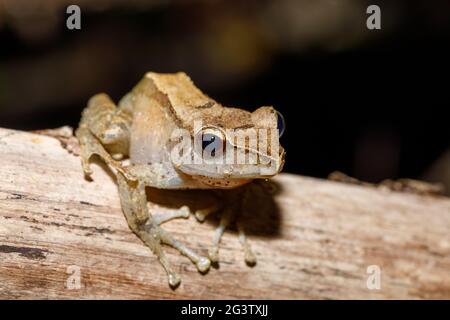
[{"x": 157, "y": 137}]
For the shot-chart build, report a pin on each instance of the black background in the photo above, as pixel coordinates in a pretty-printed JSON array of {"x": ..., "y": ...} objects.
[
  {"x": 277, "y": 309},
  {"x": 374, "y": 109}
]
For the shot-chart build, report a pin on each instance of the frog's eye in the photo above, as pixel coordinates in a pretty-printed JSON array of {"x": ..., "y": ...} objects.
[
  {"x": 281, "y": 125},
  {"x": 213, "y": 142}
]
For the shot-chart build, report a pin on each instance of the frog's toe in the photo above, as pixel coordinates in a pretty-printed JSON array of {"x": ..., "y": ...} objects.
[
  {"x": 174, "y": 280},
  {"x": 86, "y": 168},
  {"x": 213, "y": 254},
  {"x": 250, "y": 257},
  {"x": 203, "y": 264},
  {"x": 201, "y": 214},
  {"x": 185, "y": 212}
]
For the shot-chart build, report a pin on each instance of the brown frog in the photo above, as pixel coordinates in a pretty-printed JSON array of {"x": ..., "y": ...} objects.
[{"x": 167, "y": 134}]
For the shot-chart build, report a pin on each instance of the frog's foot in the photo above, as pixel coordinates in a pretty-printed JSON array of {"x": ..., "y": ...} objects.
[
  {"x": 201, "y": 263},
  {"x": 235, "y": 209},
  {"x": 151, "y": 236}
]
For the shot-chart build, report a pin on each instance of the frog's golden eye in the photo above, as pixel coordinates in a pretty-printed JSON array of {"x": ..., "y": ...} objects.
[{"x": 212, "y": 141}]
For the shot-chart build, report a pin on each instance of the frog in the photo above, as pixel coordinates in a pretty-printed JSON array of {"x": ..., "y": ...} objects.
[{"x": 136, "y": 139}]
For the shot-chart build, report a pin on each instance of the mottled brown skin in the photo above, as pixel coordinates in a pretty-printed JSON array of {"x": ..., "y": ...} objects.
[{"x": 134, "y": 140}]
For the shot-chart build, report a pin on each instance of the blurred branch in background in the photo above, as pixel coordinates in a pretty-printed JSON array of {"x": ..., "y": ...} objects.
[
  {"x": 440, "y": 171},
  {"x": 317, "y": 243}
]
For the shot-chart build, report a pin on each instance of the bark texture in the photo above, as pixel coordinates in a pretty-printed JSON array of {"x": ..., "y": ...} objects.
[{"x": 314, "y": 240}]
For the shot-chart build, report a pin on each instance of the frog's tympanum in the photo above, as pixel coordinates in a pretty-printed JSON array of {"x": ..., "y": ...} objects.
[{"x": 167, "y": 134}]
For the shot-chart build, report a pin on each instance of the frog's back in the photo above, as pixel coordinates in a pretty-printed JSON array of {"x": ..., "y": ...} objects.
[{"x": 188, "y": 104}]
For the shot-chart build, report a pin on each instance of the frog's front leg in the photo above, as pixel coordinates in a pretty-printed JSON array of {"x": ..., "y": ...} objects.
[
  {"x": 171, "y": 214},
  {"x": 146, "y": 227},
  {"x": 234, "y": 209}
]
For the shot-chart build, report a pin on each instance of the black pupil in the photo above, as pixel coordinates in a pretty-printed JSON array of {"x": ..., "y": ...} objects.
[{"x": 212, "y": 141}]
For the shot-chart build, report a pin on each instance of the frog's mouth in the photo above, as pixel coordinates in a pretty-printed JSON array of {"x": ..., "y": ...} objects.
[{"x": 220, "y": 183}]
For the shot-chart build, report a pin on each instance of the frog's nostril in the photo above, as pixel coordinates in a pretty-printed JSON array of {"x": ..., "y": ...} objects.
[{"x": 281, "y": 124}]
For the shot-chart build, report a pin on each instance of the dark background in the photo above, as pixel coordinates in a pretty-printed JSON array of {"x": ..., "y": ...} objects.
[{"x": 370, "y": 103}]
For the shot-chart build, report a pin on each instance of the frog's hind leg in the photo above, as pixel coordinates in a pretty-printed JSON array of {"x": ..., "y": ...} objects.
[
  {"x": 103, "y": 131},
  {"x": 143, "y": 224}
]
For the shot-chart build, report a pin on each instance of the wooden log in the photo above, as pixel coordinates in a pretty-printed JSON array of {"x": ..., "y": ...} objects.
[{"x": 318, "y": 243}]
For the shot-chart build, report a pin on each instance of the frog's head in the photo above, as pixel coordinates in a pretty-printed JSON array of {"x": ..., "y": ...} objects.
[{"x": 228, "y": 147}]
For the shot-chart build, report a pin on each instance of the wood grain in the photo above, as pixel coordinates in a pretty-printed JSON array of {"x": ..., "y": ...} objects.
[{"x": 317, "y": 245}]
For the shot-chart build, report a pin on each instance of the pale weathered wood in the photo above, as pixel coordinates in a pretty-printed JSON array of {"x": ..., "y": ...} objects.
[{"x": 318, "y": 245}]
